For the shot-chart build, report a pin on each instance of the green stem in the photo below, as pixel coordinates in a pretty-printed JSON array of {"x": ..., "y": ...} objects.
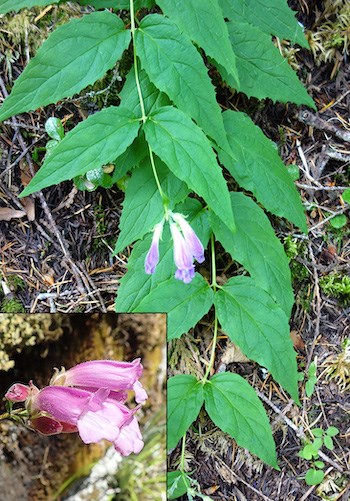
[
  {"x": 212, "y": 356},
  {"x": 214, "y": 286},
  {"x": 182, "y": 460},
  {"x": 137, "y": 79},
  {"x": 213, "y": 263},
  {"x": 14, "y": 412},
  {"x": 165, "y": 199},
  {"x": 142, "y": 105}
]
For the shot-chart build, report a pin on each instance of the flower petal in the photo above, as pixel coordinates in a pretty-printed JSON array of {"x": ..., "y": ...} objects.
[
  {"x": 104, "y": 423},
  {"x": 46, "y": 425},
  {"x": 104, "y": 374},
  {"x": 64, "y": 404},
  {"x": 129, "y": 439},
  {"x": 140, "y": 392}
]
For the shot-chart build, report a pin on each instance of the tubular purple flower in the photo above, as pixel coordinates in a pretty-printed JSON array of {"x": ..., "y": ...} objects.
[
  {"x": 116, "y": 376},
  {"x": 152, "y": 257},
  {"x": 62, "y": 403},
  {"x": 182, "y": 255},
  {"x": 94, "y": 415},
  {"x": 190, "y": 237}
]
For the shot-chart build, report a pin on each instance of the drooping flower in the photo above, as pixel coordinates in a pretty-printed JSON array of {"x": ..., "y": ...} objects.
[
  {"x": 191, "y": 239},
  {"x": 152, "y": 257},
  {"x": 114, "y": 375},
  {"x": 182, "y": 256},
  {"x": 187, "y": 247}
]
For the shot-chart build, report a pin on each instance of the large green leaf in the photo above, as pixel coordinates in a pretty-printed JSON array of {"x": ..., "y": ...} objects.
[
  {"x": 184, "y": 398},
  {"x": 262, "y": 71},
  {"x": 258, "y": 168},
  {"x": 16, "y": 5},
  {"x": 176, "y": 68},
  {"x": 136, "y": 284},
  {"x": 8, "y": 5},
  {"x": 204, "y": 23},
  {"x": 233, "y": 406},
  {"x": 143, "y": 206},
  {"x": 74, "y": 56},
  {"x": 185, "y": 304},
  {"x": 273, "y": 17},
  {"x": 259, "y": 327},
  {"x": 152, "y": 97},
  {"x": 94, "y": 142},
  {"x": 257, "y": 248},
  {"x": 187, "y": 151},
  {"x": 117, "y": 4}
]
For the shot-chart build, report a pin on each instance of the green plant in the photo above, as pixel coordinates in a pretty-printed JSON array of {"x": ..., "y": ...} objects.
[
  {"x": 336, "y": 285},
  {"x": 311, "y": 378},
  {"x": 311, "y": 449},
  {"x": 12, "y": 305},
  {"x": 170, "y": 134}
]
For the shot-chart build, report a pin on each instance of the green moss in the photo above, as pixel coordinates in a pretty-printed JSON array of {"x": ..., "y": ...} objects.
[
  {"x": 13, "y": 305},
  {"x": 337, "y": 286},
  {"x": 330, "y": 38},
  {"x": 300, "y": 274},
  {"x": 16, "y": 283}
]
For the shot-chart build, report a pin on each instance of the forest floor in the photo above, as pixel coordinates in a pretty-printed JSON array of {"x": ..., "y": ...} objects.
[{"x": 56, "y": 256}]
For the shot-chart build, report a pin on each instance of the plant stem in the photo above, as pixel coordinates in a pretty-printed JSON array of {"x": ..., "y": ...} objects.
[
  {"x": 142, "y": 104},
  {"x": 213, "y": 263},
  {"x": 214, "y": 286},
  {"x": 182, "y": 460},
  {"x": 132, "y": 27},
  {"x": 212, "y": 355},
  {"x": 8, "y": 415}
]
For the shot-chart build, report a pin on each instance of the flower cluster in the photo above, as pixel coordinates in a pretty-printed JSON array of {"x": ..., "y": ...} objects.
[
  {"x": 187, "y": 247},
  {"x": 89, "y": 399}
]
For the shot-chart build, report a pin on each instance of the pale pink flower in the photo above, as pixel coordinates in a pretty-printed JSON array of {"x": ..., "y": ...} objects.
[
  {"x": 116, "y": 376},
  {"x": 89, "y": 399},
  {"x": 95, "y": 415}
]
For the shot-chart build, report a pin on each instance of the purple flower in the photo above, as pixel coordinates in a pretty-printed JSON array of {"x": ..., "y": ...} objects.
[
  {"x": 187, "y": 247},
  {"x": 152, "y": 257},
  {"x": 182, "y": 255},
  {"x": 116, "y": 376},
  {"x": 89, "y": 399},
  {"x": 95, "y": 415},
  {"x": 191, "y": 239}
]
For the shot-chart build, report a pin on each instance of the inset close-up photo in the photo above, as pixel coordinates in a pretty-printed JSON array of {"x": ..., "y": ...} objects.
[{"x": 82, "y": 407}]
